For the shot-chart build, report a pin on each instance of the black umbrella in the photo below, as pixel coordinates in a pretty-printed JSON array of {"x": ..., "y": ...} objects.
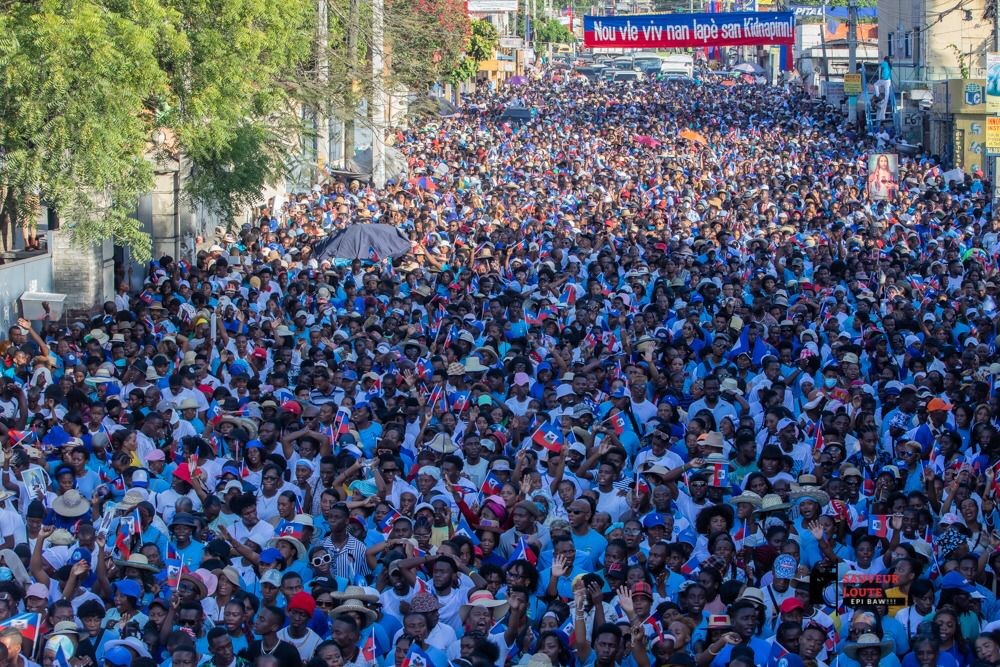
[{"x": 364, "y": 241}]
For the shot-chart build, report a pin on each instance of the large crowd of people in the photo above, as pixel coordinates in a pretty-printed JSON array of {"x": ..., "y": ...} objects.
[{"x": 659, "y": 383}]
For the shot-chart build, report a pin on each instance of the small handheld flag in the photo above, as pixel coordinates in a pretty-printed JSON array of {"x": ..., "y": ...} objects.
[
  {"x": 548, "y": 437},
  {"x": 417, "y": 657},
  {"x": 523, "y": 551},
  {"x": 878, "y": 525}
]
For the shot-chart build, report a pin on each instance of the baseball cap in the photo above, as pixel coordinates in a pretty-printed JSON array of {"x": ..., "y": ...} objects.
[
  {"x": 272, "y": 577},
  {"x": 791, "y": 604},
  {"x": 118, "y": 656}
]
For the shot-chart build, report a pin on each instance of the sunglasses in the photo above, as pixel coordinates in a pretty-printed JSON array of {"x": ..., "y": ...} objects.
[{"x": 322, "y": 559}]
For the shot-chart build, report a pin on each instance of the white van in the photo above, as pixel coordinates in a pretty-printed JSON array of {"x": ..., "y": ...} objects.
[{"x": 678, "y": 64}]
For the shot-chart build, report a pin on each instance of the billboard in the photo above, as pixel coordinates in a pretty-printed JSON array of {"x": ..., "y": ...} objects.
[
  {"x": 492, "y": 6},
  {"x": 676, "y": 31},
  {"x": 993, "y": 83}
]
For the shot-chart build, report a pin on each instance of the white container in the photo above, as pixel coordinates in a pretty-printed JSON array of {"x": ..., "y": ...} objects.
[{"x": 31, "y": 305}]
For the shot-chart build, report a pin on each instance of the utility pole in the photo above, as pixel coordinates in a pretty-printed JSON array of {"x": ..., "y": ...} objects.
[
  {"x": 822, "y": 41},
  {"x": 995, "y": 181},
  {"x": 350, "y": 104},
  {"x": 323, "y": 70},
  {"x": 378, "y": 93},
  {"x": 852, "y": 57}
]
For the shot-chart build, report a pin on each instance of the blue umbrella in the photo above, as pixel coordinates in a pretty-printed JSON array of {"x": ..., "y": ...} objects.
[{"x": 364, "y": 241}]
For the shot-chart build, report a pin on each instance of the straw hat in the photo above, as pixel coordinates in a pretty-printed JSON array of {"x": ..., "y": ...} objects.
[
  {"x": 867, "y": 640},
  {"x": 484, "y": 600},
  {"x": 747, "y": 497},
  {"x": 71, "y": 504},
  {"x": 771, "y": 503},
  {"x": 357, "y": 606},
  {"x": 354, "y": 593},
  {"x": 137, "y": 561}
]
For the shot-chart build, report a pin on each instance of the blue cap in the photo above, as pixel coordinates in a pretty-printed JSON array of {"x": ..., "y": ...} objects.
[
  {"x": 231, "y": 470},
  {"x": 349, "y": 375},
  {"x": 70, "y": 360},
  {"x": 619, "y": 393},
  {"x": 129, "y": 588},
  {"x": 269, "y": 556},
  {"x": 956, "y": 580},
  {"x": 118, "y": 656},
  {"x": 653, "y": 520},
  {"x": 254, "y": 444},
  {"x": 79, "y": 554}
]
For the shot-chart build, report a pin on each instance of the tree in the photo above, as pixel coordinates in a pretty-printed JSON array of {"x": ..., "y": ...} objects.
[
  {"x": 551, "y": 31},
  {"x": 74, "y": 78},
  {"x": 427, "y": 38},
  {"x": 85, "y": 85},
  {"x": 483, "y": 41}
]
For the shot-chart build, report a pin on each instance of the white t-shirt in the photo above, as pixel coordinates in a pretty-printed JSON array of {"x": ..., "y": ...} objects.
[{"x": 306, "y": 645}]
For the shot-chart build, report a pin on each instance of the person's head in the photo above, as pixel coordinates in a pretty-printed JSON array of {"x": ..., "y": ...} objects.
[
  {"x": 184, "y": 655},
  {"x": 606, "y": 642},
  {"x": 220, "y": 645},
  {"x": 345, "y": 631},
  {"x": 269, "y": 620}
]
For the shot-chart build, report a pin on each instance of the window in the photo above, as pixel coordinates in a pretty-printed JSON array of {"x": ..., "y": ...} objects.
[
  {"x": 890, "y": 45},
  {"x": 908, "y": 45}
]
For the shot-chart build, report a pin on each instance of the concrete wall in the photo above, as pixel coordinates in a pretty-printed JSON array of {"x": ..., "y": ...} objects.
[
  {"x": 84, "y": 275},
  {"x": 27, "y": 275},
  {"x": 934, "y": 25}
]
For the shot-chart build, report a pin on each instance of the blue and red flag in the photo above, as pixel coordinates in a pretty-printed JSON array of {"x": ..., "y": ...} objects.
[
  {"x": 459, "y": 401},
  {"x": 385, "y": 525},
  {"x": 568, "y": 296},
  {"x": 523, "y": 551},
  {"x": 416, "y": 657},
  {"x": 373, "y": 255},
  {"x": 549, "y": 437},
  {"x": 878, "y": 525},
  {"x": 690, "y": 566},
  {"x": 491, "y": 485},
  {"x": 29, "y": 624}
]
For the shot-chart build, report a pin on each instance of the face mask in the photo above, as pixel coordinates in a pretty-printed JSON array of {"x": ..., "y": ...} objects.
[{"x": 830, "y": 383}]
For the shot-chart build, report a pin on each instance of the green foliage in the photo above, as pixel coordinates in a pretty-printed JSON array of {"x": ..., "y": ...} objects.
[
  {"x": 483, "y": 41},
  {"x": 427, "y": 39},
  {"x": 74, "y": 75},
  {"x": 551, "y": 31}
]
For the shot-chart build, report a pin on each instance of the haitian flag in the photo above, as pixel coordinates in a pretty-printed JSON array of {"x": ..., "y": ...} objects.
[
  {"x": 385, "y": 525},
  {"x": 690, "y": 566},
  {"x": 653, "y": 628},
  {"x": 617, "y": 422},
  {"x": 373, "y": 255},
  {"x": 491, "y": 485},
  {"x": 368, "y": 650},
  {"x": 28, "y": 624},
  {"x": 459, "y": 401},
  {"x": 437, "y": 394},
  {"x": 464, "y": 528},
  {"x": 720, "y": 471},
  {"x": 523, "y": 552},
  {"x": 818, "y": 444},
  {"x": 549, "y": 437},
  {"x": 175, "y": 566},
  {"x": 568, "y": 296},
  {"x": 878, "y": 525},
  {"x": 416, "y": 657}
]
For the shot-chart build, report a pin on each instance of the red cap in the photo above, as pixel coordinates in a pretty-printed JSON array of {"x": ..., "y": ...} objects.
[
  {"x": 303, "y": 602},
  {"x": 260, "y": 353},
  {"x": 791, "y": 604},
  {"x": 642, "y": 588},
  {"x": 293, "y": 407}
]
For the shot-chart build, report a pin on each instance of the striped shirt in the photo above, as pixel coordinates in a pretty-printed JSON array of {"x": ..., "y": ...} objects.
[{"x": 349, "y": 559}]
